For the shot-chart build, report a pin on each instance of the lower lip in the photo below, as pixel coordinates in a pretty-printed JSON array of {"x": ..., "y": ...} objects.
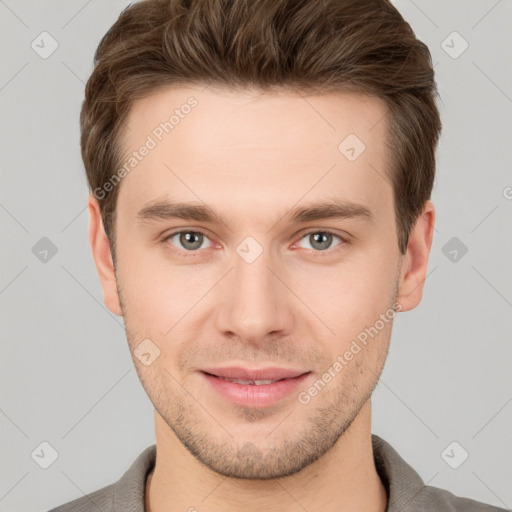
[{"x": 247, "y": 395}]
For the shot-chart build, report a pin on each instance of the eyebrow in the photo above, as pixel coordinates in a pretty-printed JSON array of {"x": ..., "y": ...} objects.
[{"x": 330, "y": 209}]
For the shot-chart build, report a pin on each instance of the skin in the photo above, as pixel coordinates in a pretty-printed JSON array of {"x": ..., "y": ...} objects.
[{"x": 252, "y": 157}]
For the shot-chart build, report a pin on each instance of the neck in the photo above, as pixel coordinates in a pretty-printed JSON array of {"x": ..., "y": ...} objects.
[{"x": 344, "y": 479}]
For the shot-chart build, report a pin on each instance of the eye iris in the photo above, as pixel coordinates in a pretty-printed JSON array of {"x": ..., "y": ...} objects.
[
  {"x": 188, "y": 237},
  {"x": 324, "y": 239}
]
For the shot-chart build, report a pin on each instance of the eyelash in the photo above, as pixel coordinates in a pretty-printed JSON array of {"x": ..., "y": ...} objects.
[{"x": 193, "y": 254}]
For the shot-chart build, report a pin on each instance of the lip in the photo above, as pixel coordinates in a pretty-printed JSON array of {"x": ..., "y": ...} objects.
[
  {"x": 240, "y": 372},
  {"x": 250, "y": 395}
]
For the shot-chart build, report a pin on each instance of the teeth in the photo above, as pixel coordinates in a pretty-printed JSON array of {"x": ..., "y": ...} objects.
[{"x": 250, "y": 382}]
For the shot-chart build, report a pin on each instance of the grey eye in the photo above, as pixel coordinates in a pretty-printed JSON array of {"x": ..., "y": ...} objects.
[
  {"x": 320, "y": 240},
  {"x": 188, "y": 240}
]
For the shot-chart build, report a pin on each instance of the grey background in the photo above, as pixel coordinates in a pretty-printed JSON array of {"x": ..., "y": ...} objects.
[{"x": 66, "y": 374}]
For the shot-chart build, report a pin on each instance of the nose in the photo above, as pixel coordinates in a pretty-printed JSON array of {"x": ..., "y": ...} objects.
[{"x": 255, "y": 304}]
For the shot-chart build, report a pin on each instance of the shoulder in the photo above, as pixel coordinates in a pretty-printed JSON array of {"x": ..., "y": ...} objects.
[
  {"x": 125, "y": 494},
  {"x": 407, "y": 491},
  {"x": 435, "y": 499},
  {"x": 102, "y": 499}
]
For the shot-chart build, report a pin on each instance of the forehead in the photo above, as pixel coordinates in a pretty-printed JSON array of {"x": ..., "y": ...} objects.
[{"x": 252, "y": 148}]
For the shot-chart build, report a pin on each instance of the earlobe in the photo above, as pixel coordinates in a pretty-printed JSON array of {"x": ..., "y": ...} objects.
[
  {"x": 415, "y": 260},
  {"x": 102, "y": 255}
]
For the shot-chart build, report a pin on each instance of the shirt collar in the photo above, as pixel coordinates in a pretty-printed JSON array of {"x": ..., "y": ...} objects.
[{"x": 401, "y": 481}]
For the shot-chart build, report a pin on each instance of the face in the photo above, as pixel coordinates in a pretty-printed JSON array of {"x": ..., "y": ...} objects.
[{"x": 287, "y": 258}]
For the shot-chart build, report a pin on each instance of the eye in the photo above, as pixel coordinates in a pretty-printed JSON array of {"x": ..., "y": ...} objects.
[
  {"x": 320, "y": 240},
  {"x": 188, "y": 240}
]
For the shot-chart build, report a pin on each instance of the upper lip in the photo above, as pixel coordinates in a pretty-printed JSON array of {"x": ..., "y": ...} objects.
[{"x": 239, "y": 372}]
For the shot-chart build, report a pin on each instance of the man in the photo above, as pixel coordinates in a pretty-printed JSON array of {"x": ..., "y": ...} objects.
[{"x": 260, "y": 178}]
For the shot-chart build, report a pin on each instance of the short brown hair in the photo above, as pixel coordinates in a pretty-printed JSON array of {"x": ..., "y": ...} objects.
[{"x": 310, "y": 46}]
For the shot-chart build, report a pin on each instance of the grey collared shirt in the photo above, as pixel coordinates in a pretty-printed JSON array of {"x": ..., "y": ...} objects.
[{"x": 405, "y": 488}]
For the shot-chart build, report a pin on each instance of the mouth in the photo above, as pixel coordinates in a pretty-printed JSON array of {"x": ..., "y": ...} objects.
[
  {"x": 272, "y": 373},
  {"x": 247, "y": 382},
  {"x": 254, "y": 388}
]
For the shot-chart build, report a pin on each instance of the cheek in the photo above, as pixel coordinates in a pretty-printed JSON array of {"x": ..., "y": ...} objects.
[
  {"x": 351, "y": 295},
  {"x": 161, "y": 297},
  {"x": 148, "y": 290}
]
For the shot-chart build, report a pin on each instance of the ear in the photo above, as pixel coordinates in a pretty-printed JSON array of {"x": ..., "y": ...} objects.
[
  {"x": 415, "y": 260},
  {"x": 100, "y": 246}
]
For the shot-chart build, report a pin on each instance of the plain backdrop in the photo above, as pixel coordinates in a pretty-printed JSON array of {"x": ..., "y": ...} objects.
[{"x": 67, "y": 378}]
